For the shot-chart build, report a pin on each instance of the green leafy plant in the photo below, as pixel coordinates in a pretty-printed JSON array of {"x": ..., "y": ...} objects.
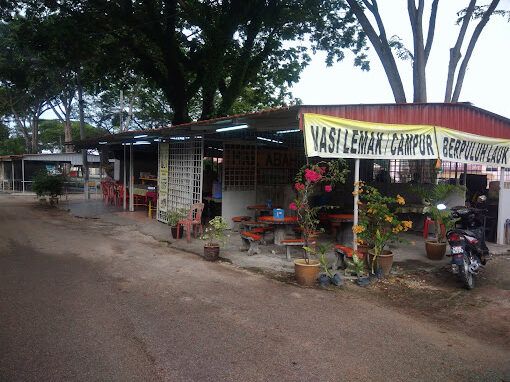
[
  {"x": 378, "y": 222},
  {"x": 215, "y": 231},
  {"x": 45, "y": 183},
  {"x": 357, "y": 264},
  {"x": 308, "y": 180},
  {"x": 437, "y": 195},
  {"x": 321, "y": 255},
  {"x": 175, "y": 216}
]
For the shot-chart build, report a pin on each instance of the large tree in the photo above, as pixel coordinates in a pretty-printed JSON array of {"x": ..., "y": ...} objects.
[
  {"x": 369, "y": 17},
  {"x": 210, "y": 51}
]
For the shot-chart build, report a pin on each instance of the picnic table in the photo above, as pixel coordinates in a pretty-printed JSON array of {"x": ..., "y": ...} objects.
[
  {"x": 336, "y": 221},
  {"x": 280, "y": 226}
]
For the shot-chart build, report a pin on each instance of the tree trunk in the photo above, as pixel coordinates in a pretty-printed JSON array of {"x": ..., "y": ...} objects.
[
  {"x": 455, "y": 54},
  {"x": 35, "y": 134},
  {"x": 85, "y": 165},
  {"x": 474, "y": 38},
  {"x": 381, "y": 46},
  {"x": 419, "y": 78}
]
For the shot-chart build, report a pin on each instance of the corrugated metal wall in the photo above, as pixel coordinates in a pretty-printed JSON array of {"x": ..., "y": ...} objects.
[{"x": 460, "y": 117}]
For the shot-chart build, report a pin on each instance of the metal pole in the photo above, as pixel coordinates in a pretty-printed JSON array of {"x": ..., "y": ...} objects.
[
  {"x": 125, "y": 183},
  {"x": 356, "y": 198},
  {"x": 131, "y": 180},
  {"x": 121, "y": 110},
  {"x": 501, "y": 218},
  {"x": 12, "y": 174},
  {"x": 23, "y": 174}
]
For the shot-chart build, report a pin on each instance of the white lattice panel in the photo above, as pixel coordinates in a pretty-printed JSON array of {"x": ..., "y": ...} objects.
[
  {"x": 185, "y": 173},
  {"x": 163, "y": 183}
]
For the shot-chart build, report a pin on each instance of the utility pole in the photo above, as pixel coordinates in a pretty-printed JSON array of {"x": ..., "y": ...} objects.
[{"x": 84, "y": 159}]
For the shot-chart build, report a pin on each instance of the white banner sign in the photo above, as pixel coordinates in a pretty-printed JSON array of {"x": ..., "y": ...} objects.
[
  {"x": 331, "y": 137},
  {"x": 457, "y": 146}
]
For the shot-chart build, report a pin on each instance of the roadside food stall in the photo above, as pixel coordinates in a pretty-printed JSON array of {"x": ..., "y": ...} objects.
[{"x": 256, "y": 155}]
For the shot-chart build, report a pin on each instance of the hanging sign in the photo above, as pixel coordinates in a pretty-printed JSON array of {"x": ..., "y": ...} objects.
[
  {"x": 163, "y": 183},
  {"x": 331, "y": 137},
  {"x": 457, "y": 146}
]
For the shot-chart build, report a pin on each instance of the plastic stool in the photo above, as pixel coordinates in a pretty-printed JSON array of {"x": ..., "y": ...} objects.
[{"x": 426, "y": 227}]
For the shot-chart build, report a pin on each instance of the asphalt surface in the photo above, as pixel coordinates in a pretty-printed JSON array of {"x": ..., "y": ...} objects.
[{"x": 82, "y": 300}]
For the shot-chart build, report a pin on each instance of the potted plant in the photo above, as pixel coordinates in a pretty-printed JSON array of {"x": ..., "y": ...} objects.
[
  {"x": 379, "y": 224},
  {"x": 357, "y": 264},
  {"x": 309, "y": 179},
  {"x": 214, "y": 234},
  {"x": 321, "y": 256},
  {"x": 435, "y": 198},
  {"x": 175, "y": 217},
  {"x": 45, "y": 183}
]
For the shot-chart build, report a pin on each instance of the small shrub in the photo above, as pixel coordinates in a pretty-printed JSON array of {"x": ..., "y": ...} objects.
[{"x": 46, "y": 184}]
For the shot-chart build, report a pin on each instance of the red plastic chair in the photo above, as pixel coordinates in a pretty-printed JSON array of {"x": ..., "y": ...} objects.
[
  {"x": 194, "y": 219},
  {"x": 426, "y": 227}
]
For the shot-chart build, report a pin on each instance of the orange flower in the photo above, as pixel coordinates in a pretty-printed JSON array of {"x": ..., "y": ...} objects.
[
  {"x": 400, "y": 200},
  {"x": 389, "y": 218},
  {"x": 358, "y": 228},
  {"x": 407, "y": 223}
]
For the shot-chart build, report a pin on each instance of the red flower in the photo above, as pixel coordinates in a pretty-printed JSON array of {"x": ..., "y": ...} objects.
[
  {"x": 312, "y": 176},
  {"x": 327, "y": 188},
  {"x": 299, "y": 186},
  {"x": 293, "y": 206},
  {"x": 323, "y": 170}
]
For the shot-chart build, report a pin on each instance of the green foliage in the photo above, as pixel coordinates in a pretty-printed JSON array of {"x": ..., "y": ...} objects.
[
  {"x": 175, "y": 216},
  {"x": 51, "y": 133},
  {"x": 435, "y": 195},
  {"x": 320, "y": 254},
  {"x": 308, "y": 179},
  {"x": 378, "y": 223},
  {"x": 46, "y": 184},
  {"x": 215, "y": 231},
  {"x": 357, "y": 264},
  {"x": 12, "y": 146},
  {"x": 207, "y": 58}
]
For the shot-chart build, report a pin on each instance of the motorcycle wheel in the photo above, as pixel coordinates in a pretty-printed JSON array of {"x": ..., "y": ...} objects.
[{"x": 466, "y": 277}]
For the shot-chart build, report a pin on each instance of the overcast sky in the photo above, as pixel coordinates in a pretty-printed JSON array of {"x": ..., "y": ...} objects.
[{"x": 487, "y": 81}]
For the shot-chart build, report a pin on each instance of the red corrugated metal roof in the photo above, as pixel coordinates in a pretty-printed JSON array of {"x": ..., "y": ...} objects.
[{"x": 457, "y": 116}]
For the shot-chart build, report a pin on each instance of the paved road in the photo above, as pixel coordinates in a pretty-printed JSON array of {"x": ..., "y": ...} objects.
[{"x": 81, "y": 300}]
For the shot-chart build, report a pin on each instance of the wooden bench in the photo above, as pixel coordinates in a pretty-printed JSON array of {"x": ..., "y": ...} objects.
[
  {"x": 341, "y": 252},
  {"x": 250, "y": 226},
  {"x": 251, "y": 242},
  {"x": 237, "y": 222},
  {"x": 262, "y": 231},
  {"x": 294, "y": 242}
]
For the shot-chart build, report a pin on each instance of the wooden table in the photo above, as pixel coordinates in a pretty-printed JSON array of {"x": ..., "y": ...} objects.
[
  {"x": 336, "y": 224},
  {"x": 280, "y": 226}
]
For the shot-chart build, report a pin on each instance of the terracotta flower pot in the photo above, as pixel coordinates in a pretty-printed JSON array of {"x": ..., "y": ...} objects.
[
  {"x": 384, "y": 261},
  {"x": 435, "y": 250},
  {"x": 211, "y": 252},
  {"x": 306, "y": 272}
]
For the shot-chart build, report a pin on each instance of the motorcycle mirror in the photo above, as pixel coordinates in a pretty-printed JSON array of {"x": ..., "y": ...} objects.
[{"x": 441, "y": 206}]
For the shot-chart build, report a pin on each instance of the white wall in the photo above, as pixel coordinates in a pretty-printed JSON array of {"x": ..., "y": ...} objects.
[
  {"x": 503, "y": 212},
  {"x": 116, "y": 169},
  {"x": 234, "y": 203}
]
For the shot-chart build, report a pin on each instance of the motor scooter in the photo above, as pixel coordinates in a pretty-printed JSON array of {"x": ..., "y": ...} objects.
[{"x": 469, "y": 251}]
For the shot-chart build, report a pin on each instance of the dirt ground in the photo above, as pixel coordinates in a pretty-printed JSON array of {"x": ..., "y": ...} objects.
[{"x": 82, "y": 299}]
